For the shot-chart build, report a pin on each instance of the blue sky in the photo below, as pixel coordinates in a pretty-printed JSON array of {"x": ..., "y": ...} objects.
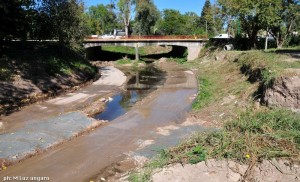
[{"x": 181, "y": 5}]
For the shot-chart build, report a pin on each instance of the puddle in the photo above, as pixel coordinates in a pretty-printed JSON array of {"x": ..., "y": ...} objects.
[{"x": 139, "y": 85}]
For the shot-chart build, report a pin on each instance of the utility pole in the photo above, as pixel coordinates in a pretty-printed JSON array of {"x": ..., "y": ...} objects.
[
  {"x": 267, "y": 36},
  {"x": 206, "y": 28}
]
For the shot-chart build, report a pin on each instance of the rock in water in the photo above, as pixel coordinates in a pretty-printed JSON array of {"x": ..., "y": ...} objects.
[{"x": 110, "y": 99}]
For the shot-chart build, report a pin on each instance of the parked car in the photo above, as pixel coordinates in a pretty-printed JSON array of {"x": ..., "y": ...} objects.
[
  {"x": 107, "y": 36},
  {"x": 223, "y": 36}
]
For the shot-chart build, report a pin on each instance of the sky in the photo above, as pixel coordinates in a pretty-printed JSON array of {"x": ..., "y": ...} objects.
[{"x": 182, "y": 5}]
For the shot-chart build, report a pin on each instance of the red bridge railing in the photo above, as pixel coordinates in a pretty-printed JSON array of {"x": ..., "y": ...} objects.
[
  {"x": 155, "y": 37},
  {"x": 166, "y": 37}
]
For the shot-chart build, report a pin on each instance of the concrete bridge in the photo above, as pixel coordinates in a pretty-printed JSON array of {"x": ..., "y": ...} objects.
[{"x": 193, "y": 44}]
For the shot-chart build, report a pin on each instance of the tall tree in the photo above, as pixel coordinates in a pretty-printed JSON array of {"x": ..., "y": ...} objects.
[
  {"x": 191, "y": 26},
  {"x": 172, "y": 23},
  {"x": 145, "y": 17},
  {"x": 207, "y": 18},
  {"x": 289, "y": 15},
  {"x": 126, "y": 9},
  {"x": 102, "y": 19},
  {"x": 254, "y": 15},
  {"x": 65, "y": 20},
  {"x": 13, "y": 18}
]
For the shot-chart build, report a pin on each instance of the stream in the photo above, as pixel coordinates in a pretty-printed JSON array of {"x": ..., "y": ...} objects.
[
  {"x": 141, "y": 82},
  {"x": 85, "y": 156}
]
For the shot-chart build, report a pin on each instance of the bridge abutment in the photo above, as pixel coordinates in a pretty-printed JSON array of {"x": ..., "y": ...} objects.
[{"x": 193, "y": 52}]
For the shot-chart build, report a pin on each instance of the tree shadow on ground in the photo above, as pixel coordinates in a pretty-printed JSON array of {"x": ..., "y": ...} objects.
[{"x": 97, "y": 54}]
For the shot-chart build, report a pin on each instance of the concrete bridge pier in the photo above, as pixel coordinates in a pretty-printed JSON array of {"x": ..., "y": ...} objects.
[
  {"x": 137, "y": 57},
  {"x": 193, "y": 46},
  {"x": 193, "y": 52}
]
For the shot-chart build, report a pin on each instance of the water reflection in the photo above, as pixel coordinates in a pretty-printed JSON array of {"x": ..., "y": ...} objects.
[{"x": 140, "y": 84}]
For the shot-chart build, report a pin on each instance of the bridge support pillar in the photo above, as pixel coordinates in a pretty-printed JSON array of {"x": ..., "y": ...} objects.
[
  {"x": 193, "y": 52},
  {"x": 137, "y": 57}
]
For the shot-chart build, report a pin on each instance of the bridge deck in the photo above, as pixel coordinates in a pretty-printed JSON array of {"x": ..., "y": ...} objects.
[{"x": 144, "y": 40}]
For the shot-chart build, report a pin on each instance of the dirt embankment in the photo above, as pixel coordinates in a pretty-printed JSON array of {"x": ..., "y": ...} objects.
[
  {"x": 284, "y": 92},
  {"x": 232, "y": 83},
  {"x": 31, "y": 74},
  {"x": 277, "y": 74}
]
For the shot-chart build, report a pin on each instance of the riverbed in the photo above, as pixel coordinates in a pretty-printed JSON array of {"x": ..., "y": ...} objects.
[{"x": 85, "y": 156}]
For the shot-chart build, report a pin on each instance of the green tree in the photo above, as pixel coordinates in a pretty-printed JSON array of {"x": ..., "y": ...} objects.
[
  {"x": 102, "y": 19},
  {"x": 207, "y": 18},
  {"x": 172, "y": 23},
  {"x": 289, "y": 15},
  {"x": 191, "y": 26},
  {"x": 146, "y": 16},
  {"x": 253, "y": 15},
  {"x": 125, "y": 10},
  {"x": 65, "y": 20},
  {"x": 218, "y": 19},
  {"x": 14, "y": 18}
]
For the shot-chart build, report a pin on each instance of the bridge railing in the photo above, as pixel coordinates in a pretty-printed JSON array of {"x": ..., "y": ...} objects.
[
  {"x": 158, "y": 37},
  {"x": 166, "y": 37}
]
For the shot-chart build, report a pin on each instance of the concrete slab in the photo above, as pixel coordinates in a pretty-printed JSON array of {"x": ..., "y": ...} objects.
[{"x": 42, "y": 135}]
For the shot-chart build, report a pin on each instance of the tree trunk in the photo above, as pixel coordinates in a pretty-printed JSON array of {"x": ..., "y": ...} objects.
[
  {"x": 280, "y": 44},
  {"x": 126, "y": 30}
]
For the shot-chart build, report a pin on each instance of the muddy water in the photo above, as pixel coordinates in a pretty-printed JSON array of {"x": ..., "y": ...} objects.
[
  {"x": 140, "y": 83},
  {"x": 85, "y": 156}
]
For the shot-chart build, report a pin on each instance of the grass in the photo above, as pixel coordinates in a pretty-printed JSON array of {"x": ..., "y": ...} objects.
[
  {"x": 252, "y": 136},
  {"x": 205, "y": 95},
  {"x": 6, "y": 69},
  {"x": 145, "y": 174},
  {"x": 178, "y": 60},
  {"x": 124, "y": 61},
  {"x": 124, "y": 49},
  {"x": 265, "y": 66},
  {"x": 41, "y": 61}
]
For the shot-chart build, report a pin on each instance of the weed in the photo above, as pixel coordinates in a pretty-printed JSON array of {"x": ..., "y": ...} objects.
[
  {"x": 124, "y": 49},
  {"x": 205, "y": 95},
  {"x": 265, "y": 66},
  {"x": 196, "y": 155},
  {"x": 124, "y": 61},
  {"x": 178, "y": 60},
  {"x": 255, "y": 136},
  {"x": 145, "y": 174}
]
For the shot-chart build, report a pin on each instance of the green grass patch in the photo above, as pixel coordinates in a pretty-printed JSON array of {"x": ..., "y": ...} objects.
[
  {"x": 41, "y": 61},
  {"x": 252, "y": 136},
  {"x": 205, "y": 96},
  {"x": 178, "y": 60},
  {"x": 265, "y": 66},
  {"x": 145, "y": 174},
  {"x": 124, "y": 61},
  {"x": 6, "y": 69},
  {"x": 124, "y": 49}
]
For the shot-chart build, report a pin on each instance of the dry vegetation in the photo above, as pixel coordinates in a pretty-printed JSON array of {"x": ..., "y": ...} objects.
[{"x": 243, "y": 130}]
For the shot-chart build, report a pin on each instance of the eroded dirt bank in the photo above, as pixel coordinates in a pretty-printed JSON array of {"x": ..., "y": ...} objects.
[
  {"x": 79, "y": 100},
  {"x": 32, "y": 73},
  {"x": 232, "y": 88},
  {"x": 84, "y": 157}
]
